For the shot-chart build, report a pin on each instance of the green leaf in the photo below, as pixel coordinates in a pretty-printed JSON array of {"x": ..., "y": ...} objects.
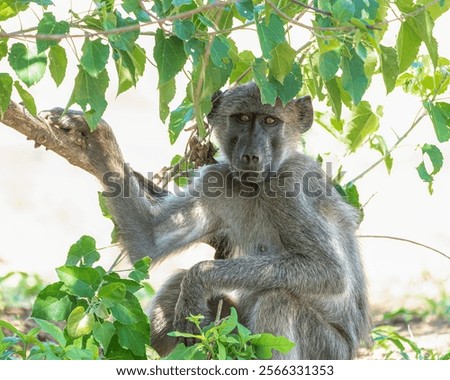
[
  {"x": 6, "y": 84},
  {"x": 435, "y": 156},
  {"x": 79, "y": 323},
  {"x": 83, "y": 250},
  {"x": 49, "y": 25},
  {"x": 195, "y": 49},
  {"x": 422, "y": 25},
  {"x": 265, "y": 343},
  {"x": 29, "y": 66},
  {"x": 291, "y": 86},
  {"x": 82, "y": 282},
  {"x": 440, "y": 116},
  {"x": 90, "y": 91},
  {"x": 53, "y": 330},
  {"x": 437, "y": 160},
  {"x": 112, "y": 293},
  {"x": 179, "y": 3},
  {"x": 10, "y": 8},
  {"x": 166, "y": 95},
  {"x": 141, "y": 268},
  {"x": 95, "y": 56},
  {"x": 435, "y": 9},
  {"x": 134, "y": 6},
  {"x": 214, "y": 79},
  {"x": 405, "y": 6},
  {"x": 329, "y": 64},
  {"x": 354, "y": 79},
  {"x": 367, "y": 9},
  {"x": 125, "y": 40},
  {"x": 181, "y": 352},
  {"x": 107, "y": 214},
  {"x": 245, "y": 9},
  {"x": 389, "y": 67},
  {"x": 74, "y": 353},
  {"x": 128, "y": 311},
  {"x": 352, "y": 195},
  {"x": 343, "y": 10},
  {"x": 363, "y": 123},
  {"x": 3, "y": 48},
  {"x": 184, "y": 29},
  {"x": 268, "y": 91},
  {"x": 57, "y": 63},
  {"x": 39, "y": 2},
  {"x": 130, "y": 67},
  {"x": 52, "y": 303},
  {"x": 408, "y": 44},
  {"x": 242, "y": 64},
  {"x": 134, "y": 337},
  {"x": 169, "y": 56},
  {"x": 334, "y": 96},
  {"x": 280, "y": 65},
  {"x": 179, "y": 118},
  {"x": 270, "y": 34},
  {"x": 103, "y": 332},
  {"x": 132, "y": 286},
  {"x": 377, "y": 142},
  {"x": 219, "y": 52}
]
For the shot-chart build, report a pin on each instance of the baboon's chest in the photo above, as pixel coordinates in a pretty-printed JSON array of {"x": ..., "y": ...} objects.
[{"x": 250, "y": 229}]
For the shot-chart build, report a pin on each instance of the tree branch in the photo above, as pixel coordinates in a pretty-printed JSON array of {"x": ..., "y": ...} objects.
[{"x": 54, "y": 139}]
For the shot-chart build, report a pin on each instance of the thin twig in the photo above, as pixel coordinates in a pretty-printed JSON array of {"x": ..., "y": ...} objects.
[
  {"x": 404, "y": 240},
  {"x": 123, "y": 29},
  {"x": 219, "y": 311},
  {"x": 317, "y": 10},
  {"x": 416, "y": 121},
  {"x": 117, "y": 261}
]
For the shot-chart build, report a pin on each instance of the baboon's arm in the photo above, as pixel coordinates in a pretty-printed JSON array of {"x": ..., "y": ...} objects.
[
  {"x": 294, "y": 273},
  {"x": 298, "y": 273},
  {"x": 161, "y": 227}
]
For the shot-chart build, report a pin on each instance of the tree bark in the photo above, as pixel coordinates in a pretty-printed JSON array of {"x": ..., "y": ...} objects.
[{"x": 52, "y": 138}]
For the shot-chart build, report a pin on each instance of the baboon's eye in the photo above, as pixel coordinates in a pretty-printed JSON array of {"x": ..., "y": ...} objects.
[
  {"x": 243, "y": 118},
  {"x": 269, "y": 120}
]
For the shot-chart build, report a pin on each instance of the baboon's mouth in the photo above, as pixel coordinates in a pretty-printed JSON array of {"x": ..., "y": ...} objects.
[{"x": 252, "y": 176}]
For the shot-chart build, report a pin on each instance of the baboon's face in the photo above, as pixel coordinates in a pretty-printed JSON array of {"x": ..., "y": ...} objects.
[
  {"x": 257, "y": 137},
  {"x": 253, "y": 140}
]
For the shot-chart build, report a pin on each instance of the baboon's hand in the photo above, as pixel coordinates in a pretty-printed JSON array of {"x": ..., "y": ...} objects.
[
  {"x": 98, "y": 147},
  {"x": 190, "y": 305}
]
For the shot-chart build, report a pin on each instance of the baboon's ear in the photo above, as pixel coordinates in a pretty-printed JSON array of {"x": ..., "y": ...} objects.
[
  {"x": 215, "y": 99},
  {"x": 305, "y": 112}
]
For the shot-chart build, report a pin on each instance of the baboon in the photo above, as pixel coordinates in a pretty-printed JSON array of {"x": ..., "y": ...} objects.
[{"x": 291, "y": 264}]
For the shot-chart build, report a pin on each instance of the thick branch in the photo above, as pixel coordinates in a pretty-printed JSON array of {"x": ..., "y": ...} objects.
[{"x": 94, "y": 152}]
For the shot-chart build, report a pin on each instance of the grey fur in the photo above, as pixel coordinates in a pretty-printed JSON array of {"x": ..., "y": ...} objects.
[{"x": 292, "y": 265}]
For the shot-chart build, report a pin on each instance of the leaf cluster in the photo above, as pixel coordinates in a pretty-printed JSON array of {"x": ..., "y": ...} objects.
[
  {"x": 201, "y": 41},
  {"x": 392, "y": 342},
  {"x": 227, "y": 340},
  {"x": 90, "y": 313}
]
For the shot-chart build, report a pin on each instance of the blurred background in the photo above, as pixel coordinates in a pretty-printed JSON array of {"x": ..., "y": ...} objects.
[{"x": 46, "y": 204}]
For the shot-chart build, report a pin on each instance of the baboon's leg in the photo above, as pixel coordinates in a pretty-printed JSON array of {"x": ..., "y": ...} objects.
[
  {"x": 162, "y": 313},
  {"x": 281, "y": 314}
]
